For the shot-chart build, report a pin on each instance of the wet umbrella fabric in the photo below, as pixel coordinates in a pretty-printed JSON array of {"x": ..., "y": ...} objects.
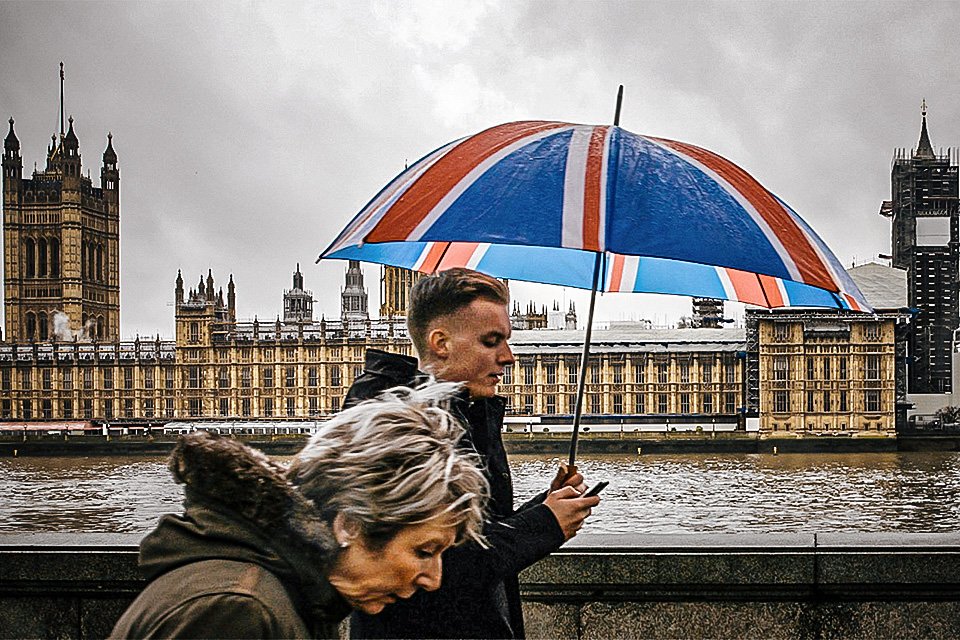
[{"x": 538, "y": 200}]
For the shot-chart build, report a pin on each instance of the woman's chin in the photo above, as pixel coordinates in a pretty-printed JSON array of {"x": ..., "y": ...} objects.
[{"x": 373, "y": 607}]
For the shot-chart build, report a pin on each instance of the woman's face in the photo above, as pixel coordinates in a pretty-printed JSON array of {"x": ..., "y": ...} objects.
[{"x": 371, "y": 579}]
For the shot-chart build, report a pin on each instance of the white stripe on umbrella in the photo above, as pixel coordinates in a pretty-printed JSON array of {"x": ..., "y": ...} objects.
[
  {"x": 457, "y": 190},
  {"x": 573, "y": 188},
  {"x": 728, "y": 289},
  {"x": 367, "y": 219},
  {"x": 783, "y": 292},
  {"x": 602, "y": 213},
  {"x": 628, "y": 276},
  {"x": 478, "y": 254}
]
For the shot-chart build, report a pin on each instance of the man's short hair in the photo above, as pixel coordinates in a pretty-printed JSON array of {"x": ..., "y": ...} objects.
[{"x": 441, "y": 294}]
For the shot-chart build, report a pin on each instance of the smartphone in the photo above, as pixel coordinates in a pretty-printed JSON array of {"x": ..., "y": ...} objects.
[{"x": 595, "y": 489}]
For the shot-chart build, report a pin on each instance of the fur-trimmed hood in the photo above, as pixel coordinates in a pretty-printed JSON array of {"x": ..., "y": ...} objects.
[{"x": 239, "y": 506}]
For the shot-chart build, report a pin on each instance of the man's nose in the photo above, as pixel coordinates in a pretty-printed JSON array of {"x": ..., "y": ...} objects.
[
  {"x": 506, "y": 355},
  {"x": 429, "y": 578}
]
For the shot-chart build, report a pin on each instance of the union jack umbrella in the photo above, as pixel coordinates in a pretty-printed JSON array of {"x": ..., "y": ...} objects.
[
  {"x": 601, "y": 208},
  {"x": 537, "y": 200}
]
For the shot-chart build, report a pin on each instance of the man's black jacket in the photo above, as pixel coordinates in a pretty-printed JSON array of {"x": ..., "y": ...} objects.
[{"x": 480, "y": 594}]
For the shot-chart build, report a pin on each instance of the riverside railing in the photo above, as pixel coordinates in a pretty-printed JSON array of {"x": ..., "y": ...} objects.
[{"x": 598, "y": 586}]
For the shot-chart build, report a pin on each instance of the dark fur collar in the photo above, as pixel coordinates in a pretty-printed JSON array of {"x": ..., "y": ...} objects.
[{"x": 227, "y": 474}]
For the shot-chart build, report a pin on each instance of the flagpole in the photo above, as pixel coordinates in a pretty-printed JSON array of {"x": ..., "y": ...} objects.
[{"x": 585, "y": 355}]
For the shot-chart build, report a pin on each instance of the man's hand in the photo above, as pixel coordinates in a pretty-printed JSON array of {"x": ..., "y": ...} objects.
[
  {"x": 570, "y": 509},
  {"x": 567, "y": 476}
]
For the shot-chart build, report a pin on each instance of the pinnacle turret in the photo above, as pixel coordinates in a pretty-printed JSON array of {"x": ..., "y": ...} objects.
[
  {"x": 11, "y": 143},
  {"x": 109, "y": 155},
  {"x": 924, "y": 148}
]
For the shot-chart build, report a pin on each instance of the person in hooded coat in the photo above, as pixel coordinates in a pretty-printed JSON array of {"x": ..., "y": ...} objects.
[{"x": 266, "y": 552}]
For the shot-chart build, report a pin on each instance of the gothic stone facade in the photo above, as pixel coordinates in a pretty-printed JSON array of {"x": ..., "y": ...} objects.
[{"x": 61, "y": 240}]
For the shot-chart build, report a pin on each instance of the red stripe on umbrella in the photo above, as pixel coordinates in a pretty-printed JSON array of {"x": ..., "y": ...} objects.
[
  {"x": 593, "y": 190},
  {"x": 433, "y": 185},
  {"x": 792, "y": 238}
]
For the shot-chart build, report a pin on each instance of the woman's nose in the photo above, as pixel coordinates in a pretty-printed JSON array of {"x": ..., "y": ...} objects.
[{"x": 429, "y": 578}]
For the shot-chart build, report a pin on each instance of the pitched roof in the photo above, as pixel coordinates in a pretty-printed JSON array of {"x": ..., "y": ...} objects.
[{"x": 884, "y": 287}]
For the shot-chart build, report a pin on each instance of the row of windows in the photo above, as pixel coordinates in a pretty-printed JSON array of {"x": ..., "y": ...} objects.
[
  {"x": 869, "y": 331},
  {"x": 661, "y": 370},
  {"x": 871, "y": 402},
  {"x": 37, "y": 326},
  {"x": 828, "y": 369},
  {"x": 661, "y": 403},
  {"x": 41, "y": 257},
  {"x": 89, "y": 409},
  {"x": 193, "y": 377}
]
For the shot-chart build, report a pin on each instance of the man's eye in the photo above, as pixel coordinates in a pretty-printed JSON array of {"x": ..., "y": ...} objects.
[{"x": 424, "y": 554}]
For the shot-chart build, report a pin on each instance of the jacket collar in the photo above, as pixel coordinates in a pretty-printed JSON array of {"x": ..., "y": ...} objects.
[
  {"x": 239, "y": 505},
  {"x": 403, "y": 370}
]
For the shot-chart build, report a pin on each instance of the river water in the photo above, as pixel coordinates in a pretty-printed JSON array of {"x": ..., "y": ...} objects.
[{"x": 689, "y": 493}]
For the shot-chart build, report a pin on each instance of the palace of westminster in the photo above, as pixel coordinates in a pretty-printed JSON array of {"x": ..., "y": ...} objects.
[{"x": 794, "y": 370}]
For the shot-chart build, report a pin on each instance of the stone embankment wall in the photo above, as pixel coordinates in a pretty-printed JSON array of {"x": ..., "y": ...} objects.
[
  {"x": 552, "y": 444},
  {"x": 600, "y": 586}
]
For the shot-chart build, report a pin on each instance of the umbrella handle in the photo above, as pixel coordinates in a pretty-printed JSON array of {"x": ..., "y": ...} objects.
[{"x": 568, "y": 470}]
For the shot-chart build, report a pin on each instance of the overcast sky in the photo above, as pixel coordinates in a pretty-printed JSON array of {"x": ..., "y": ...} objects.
[{"x": 249, "y": 133}]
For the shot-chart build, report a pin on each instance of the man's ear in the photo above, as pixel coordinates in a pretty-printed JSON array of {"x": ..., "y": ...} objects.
[
  {"x": 438, "y": 341},
  {"x": 345, "y": 529}
]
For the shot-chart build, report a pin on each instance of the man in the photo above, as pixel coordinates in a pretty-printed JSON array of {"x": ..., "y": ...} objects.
[{"x": 460, "y": 327}]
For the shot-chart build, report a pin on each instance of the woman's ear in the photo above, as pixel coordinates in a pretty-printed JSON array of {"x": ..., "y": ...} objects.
[{"x": 345, "y": 529}]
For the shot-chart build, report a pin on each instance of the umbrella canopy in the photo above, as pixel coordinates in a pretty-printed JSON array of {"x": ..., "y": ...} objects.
[{"x": 538, "y": 201}]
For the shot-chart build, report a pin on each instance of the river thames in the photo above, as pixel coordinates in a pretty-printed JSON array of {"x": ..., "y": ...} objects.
[{"x": 661, "y": 494}]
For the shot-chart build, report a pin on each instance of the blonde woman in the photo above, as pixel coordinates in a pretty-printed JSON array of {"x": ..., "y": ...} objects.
[{"x": 359, "y": 520}]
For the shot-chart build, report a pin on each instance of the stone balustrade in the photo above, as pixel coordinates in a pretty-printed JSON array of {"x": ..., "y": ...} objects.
[{"x": 599, "y": 586}]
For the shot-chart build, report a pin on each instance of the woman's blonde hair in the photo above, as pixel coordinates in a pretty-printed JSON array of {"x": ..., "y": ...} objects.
[{"x": 392, "y": 462}]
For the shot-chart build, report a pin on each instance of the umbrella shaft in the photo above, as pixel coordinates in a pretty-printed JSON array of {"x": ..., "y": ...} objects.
[{"x": 584, "y": 361}]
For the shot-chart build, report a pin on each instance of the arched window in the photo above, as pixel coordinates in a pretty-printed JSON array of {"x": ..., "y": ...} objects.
[
  {"x": 42, "y": 257},
  {"x": 99, "y": 262},
  {"x": 100, "y": 328},
  {"x": 42, "y": 325},
  {"x": 83, "y": 259},
  {"x": 31, "y": 325},
  {"x": 54, "y": 258},
  {"x": 29, "y": 258}
]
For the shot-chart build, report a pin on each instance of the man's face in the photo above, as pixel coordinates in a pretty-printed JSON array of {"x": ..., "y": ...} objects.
[{"x": 470, "y": 346}]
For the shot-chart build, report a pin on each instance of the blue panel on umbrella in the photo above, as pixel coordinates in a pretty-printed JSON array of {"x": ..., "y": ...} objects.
[
  {"x": 564, "y": 267},
  {"x": 664, "y": 206},
  {"x": 399, "y": 254},
  {"x": 516, "y": 201},
  {"x": 803, "y": 295},
  {"x": 680, "y": 278}
]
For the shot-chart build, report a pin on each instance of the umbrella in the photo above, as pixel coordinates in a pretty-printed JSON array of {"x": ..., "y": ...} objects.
[{"x": 600, "y": 208}]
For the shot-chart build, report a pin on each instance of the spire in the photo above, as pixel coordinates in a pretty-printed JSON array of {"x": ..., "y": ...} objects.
[
  {"x": 232, "y": 299},
  {"x": 61, "y": 98},
  {"x": 70, "y": 140},
  {"x": 209, "y": 290},
  {"x": 11, "y": 142},
  {"x": 109, "y": 155},
  {"x": 924, "y": 148},
  {"x": 178, "y": 291},
  {"x": 298, "y": 278}
]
